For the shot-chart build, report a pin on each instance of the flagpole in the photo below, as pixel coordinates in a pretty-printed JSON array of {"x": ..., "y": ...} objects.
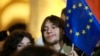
[{"x": 72, "y": 48}]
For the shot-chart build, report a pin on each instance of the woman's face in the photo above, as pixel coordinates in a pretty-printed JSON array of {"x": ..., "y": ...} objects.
[
  {"x": 51, "y": 33},
  {"x": 25, "y": 42}
]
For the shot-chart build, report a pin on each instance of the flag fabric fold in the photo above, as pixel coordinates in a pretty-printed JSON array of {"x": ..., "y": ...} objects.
[{"x": 82, "y": 28}]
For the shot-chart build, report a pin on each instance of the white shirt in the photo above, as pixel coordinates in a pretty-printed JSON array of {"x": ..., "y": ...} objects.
[{"x": 39, "y": 42}]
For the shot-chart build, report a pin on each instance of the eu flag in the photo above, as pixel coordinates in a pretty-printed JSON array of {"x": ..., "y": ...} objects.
[{"x": 82, "y": 28}]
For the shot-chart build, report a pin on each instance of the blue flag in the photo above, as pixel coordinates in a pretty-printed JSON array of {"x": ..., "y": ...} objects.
[{"x": 82, "y": 28}]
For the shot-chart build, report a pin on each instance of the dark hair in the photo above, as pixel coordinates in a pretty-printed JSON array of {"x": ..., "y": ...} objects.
[
  {"x": 3, "y": 35},
  {"x": 96, "y": 51},
  {"x": 63, "y": 11},
  {"x": 10, "y": 45},
  {"x": 17, "y": 26},
  {"x": 36, "y": 51},
  {"x": 57, "y": 21}
]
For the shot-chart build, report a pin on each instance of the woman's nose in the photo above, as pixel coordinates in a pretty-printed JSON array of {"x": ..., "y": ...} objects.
[{"x": 49, "y": 30}]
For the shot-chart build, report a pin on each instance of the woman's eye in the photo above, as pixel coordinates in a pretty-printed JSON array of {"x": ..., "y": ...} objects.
[
  {"x": 19, "y": 45},
  {"x": 53, "y": 27},
  {"x": 45, "y": 29}
]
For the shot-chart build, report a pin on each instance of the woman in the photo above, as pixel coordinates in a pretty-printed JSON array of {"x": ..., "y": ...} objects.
[
  {"x": 52, "y": 30},
  {"x": 16, "y": 41}
]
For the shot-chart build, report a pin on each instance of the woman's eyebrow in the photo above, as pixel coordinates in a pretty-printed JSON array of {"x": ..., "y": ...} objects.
[{"x": 20, "y": 43}]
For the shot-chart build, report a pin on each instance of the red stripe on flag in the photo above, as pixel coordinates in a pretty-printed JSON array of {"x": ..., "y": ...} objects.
[{"x": 95, "y": 7}]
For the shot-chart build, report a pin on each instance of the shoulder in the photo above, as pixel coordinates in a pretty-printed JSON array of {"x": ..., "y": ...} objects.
[{"x": 67, "y": 48}]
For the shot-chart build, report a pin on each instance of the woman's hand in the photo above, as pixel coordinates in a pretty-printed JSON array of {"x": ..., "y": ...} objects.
[{"x": 73, "y": 53}]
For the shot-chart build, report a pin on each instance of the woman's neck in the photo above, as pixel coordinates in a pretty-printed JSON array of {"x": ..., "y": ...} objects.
[{"x": 57, "y": 47}]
